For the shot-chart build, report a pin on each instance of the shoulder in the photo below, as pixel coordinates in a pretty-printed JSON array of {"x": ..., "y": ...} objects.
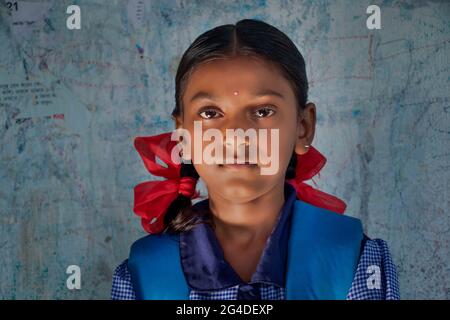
[
  {"x": 153, "y": 245},
  {"x": 155, "y": 240},
  {"x": 122, "y": 269},
  {"x": 315, "y": 214},
  {"x": 376, "y": 275},
  {"x": 122, "y": 287},
  {"x": 331, "y": 228}
]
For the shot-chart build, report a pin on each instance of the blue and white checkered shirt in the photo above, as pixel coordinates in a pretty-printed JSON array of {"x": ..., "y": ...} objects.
[
  {"x": 375, "y": 277},
  {"x": 364, "y": 286}
]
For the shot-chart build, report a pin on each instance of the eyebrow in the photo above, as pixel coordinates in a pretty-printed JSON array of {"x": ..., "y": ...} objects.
[{"x": 261, "y": 93}]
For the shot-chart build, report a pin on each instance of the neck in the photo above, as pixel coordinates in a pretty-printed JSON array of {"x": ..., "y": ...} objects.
[{"x": 246, "y": 223}]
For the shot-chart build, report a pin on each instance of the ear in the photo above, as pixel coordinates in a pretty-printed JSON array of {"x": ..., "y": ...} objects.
[{"x": 306, "y": 127}]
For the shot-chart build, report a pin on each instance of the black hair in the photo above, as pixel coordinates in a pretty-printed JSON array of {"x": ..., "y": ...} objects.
[{"x": 248, "y": 37}]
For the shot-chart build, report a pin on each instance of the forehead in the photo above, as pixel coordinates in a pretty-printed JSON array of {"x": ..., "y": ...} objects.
[{"x": 244, "y": 74}]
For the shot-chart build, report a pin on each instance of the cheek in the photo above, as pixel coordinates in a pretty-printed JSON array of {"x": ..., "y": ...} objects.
[
  {"x": 201, "y": 146},
  {"x": 287, "y": 148},
  {"x": 282, "y": 143},
  {"x": 206, "y": 172},
  {"x": 191, "y": 143}
]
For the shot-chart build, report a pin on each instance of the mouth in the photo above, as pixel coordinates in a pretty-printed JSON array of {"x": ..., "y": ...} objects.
[{"x": 245, "y": 165}]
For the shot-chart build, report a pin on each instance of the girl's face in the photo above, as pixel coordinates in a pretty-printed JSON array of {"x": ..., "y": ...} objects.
[{"x": 244, "y": 93}]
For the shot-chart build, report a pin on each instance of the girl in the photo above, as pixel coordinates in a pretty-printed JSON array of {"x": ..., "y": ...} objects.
[{"x": 255, "y": 237}]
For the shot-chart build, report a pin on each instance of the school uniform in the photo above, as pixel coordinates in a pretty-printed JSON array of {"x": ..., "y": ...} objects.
[{"x": 326, "y": 256}]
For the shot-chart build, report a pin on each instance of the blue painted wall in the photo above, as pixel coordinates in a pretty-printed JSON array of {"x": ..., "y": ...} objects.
[{"x": 71, "y": 103}]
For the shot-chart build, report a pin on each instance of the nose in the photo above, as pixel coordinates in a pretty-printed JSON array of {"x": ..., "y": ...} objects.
[
  {"x": 238, "y": 152},
  {"x": 239, "y": 123},
  {"x": 229, "y": 142},
  {"x": 237, "y": 120},
  {"x": 237, "y": 147},
  {"x": 235, "y": 144}
]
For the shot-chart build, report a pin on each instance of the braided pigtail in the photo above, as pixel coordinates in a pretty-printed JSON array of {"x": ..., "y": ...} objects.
[{"x": 180, "y": 217}]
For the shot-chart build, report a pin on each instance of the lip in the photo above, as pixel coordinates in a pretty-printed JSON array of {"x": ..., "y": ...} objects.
[{"x": 239, "y": 166}]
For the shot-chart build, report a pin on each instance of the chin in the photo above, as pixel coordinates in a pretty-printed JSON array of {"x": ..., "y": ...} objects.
[{"x": 241, "y": 188}]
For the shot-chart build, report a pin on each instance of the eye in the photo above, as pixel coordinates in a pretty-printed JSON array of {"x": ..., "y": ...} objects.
[
  {"x": 264, "y": 112},
  {"x": 209, "y": 114}
]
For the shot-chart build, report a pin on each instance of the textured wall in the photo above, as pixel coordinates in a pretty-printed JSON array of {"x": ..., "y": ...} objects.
[{"x": 71, "y": 103}]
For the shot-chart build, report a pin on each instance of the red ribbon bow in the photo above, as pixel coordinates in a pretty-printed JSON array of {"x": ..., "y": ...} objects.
[
  {"x": 308, "y": 165},
  {"x": 153, "y": 198}
]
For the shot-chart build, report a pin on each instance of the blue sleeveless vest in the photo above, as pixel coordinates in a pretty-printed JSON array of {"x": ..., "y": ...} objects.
[{"x": 323, "y": 254}]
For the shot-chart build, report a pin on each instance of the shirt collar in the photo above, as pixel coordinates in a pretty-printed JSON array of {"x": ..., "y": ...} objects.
[{"x": 203, "y": 261}]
